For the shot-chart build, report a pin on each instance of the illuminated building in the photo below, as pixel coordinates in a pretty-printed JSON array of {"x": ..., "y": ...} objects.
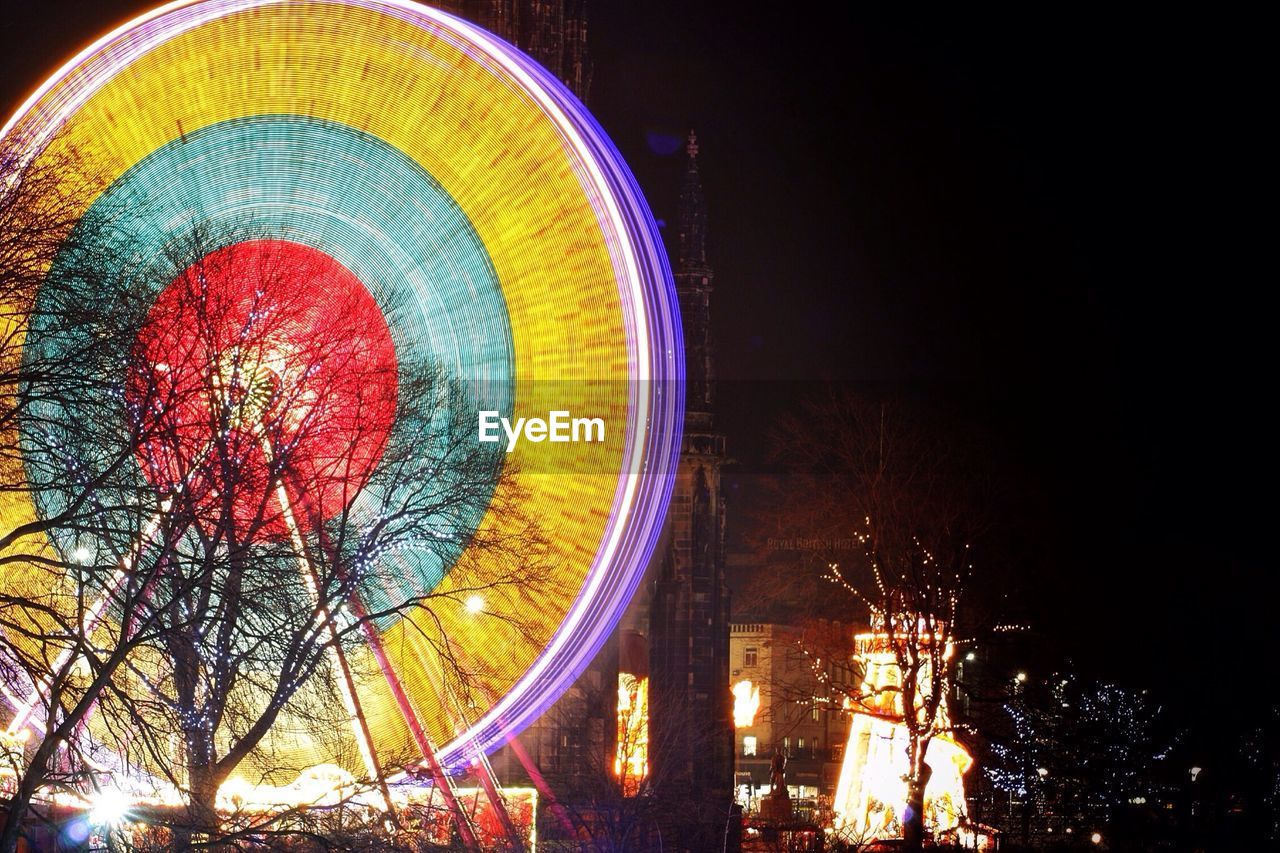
[
  {"x": 872, "y": 793},
  {"x": 673, "y": 641},
  {"x": 779, "y": 703}
]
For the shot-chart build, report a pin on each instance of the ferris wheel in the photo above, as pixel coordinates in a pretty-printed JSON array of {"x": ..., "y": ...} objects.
[{"x": 400, "y": 195}]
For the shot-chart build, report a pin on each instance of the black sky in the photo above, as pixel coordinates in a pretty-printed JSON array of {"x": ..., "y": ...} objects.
[
  {"x": 1047, "y": 218},
  {"x": 1034, "y": 218}
]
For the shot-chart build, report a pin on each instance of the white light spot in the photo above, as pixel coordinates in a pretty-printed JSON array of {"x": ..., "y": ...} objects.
[{"x": 108, "y": 806}]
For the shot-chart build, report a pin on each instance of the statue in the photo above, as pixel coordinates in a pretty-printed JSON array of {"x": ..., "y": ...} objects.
[
  {"x": 777, "y": 805},
  {"x": 778, "y": 774}
]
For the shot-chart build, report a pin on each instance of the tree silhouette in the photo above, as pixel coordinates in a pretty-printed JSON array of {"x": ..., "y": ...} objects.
[
  {"x": 237, "y": 483},
  {"x": 886, "y": 508}
]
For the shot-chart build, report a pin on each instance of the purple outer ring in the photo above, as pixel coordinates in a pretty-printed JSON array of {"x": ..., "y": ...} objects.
[{"x": 652, "y": 322}]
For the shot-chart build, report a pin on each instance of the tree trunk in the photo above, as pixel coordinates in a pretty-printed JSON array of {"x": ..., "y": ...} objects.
[
  {"x": 20, "y": 802},
  {"x": 202, "y": 810},
  {"x": 913, "y": 818}
]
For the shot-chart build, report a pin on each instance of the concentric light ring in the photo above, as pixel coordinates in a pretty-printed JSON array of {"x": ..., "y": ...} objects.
[{"x": 583, "y": 273}]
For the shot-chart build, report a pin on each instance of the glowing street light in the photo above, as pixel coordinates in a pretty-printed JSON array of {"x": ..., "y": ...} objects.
[{"x": 475, "y": 604}]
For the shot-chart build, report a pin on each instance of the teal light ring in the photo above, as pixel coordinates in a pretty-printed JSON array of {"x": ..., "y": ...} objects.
[
  {"x": 345, "y": 193},
  {"x": 354, "y": 197}
]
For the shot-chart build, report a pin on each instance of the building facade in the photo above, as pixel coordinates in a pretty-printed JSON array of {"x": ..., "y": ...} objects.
[
  {"x": 554, "y": 32},
  {"x": 779, "y": 704},
  {"x": 670, "y": 655}
]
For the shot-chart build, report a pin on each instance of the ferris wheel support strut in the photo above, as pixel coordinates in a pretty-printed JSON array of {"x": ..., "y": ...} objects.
[
  {"x": 535, "y": 775},
  {"x": 441, "y": 778},
  {"x": 346, "y": 681},
  {"x": 463, "y": 822},
  {"x": 483, "y": 769}
]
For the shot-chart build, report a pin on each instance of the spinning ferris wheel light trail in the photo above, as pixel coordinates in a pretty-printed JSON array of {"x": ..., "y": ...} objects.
[{"x": 489, "y": 226}]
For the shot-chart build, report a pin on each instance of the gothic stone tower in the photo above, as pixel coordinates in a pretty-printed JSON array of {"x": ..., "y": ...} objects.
[{"x": 691, "y": 730}]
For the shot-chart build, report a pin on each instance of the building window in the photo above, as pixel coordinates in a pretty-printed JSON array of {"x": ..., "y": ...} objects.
[
  {"x": 813, "y": 712},
  {"x": 749, "y": 745},
  {"x": 786, "y": 744},
  {"x": 750, "y": 656},
  {"x": 799, "y": 743},
  {"x": 837, "y": 751}
]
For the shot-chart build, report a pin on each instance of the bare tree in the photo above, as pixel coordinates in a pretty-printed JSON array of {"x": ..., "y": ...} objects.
[
  {"x": 285, "y": 519},
  {"x": 1072, "y": 749},
  {"x": 58, "y": 651},
  {"x": 886, "y": 509},
  {"x": 234, "y": 489}
]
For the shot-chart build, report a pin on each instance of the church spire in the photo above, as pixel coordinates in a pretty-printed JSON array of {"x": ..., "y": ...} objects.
[
  {"x": 689, "y": 612},
  {"x": 693, "y": 277},
  {"x": 692, "y": 257}
]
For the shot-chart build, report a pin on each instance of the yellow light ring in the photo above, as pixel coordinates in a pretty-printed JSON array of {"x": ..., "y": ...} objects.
[{"x": 583, "y": 275}]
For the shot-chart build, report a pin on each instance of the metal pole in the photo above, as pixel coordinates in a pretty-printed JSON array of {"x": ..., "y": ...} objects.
[
  {"x": 346, "y": 684},
  {"x": 466, "y": 830}
]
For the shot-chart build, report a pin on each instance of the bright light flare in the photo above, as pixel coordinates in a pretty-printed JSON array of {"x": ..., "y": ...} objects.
[
  {"x": 746, "y": 703},
  {"x": 108, "y": 806},
  {"x": 475, "y": 604}
]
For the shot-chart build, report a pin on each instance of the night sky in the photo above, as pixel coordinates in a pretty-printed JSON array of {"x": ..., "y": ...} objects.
[{"x": 1046, "y": 221}]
